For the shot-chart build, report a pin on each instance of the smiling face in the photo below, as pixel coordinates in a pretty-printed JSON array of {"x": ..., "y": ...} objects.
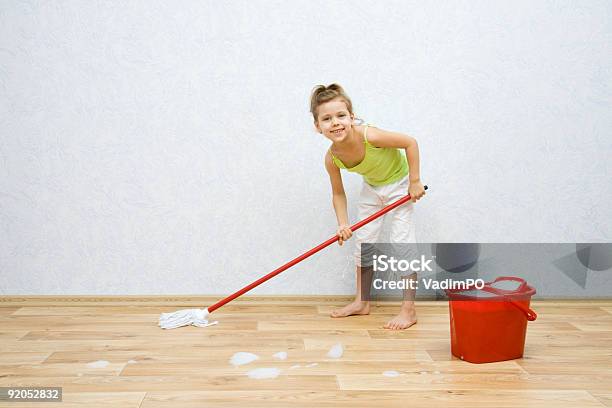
[{"x": 334, "y": 120}]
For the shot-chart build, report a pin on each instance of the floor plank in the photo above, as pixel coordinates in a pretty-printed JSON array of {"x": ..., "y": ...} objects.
[
  {"x": 8, "y": 311},
  {"x": 603, "y": 396},
  {"x": 395, "y": 399},
  {"x": 23, "y": 357},
  {"x": 113, "y": 383},
  {"x": 478, "y": 381}
]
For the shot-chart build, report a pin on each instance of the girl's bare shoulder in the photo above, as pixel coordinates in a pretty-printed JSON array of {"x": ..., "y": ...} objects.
[
  {"x": 386, "y": 138},
  {"x": 360, "y": 131}
]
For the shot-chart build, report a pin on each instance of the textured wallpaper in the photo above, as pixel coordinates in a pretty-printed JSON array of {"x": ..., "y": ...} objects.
[{"x": 157, "y": 148}]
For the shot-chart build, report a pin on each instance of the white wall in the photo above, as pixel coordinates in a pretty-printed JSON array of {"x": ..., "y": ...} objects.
[{"x": 161, "y": 148}]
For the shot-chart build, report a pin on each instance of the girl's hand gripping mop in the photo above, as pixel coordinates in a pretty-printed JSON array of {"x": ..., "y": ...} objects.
[{"x": 198, "y": 317}]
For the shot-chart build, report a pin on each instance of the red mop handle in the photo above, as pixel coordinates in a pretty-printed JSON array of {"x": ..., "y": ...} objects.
[{"x": 307, "y": 254}]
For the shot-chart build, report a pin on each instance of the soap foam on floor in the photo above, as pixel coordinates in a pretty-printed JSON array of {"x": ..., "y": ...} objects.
[
  {"x": 281, "y": 355},
  {"x": 263, "y": 373},
  {"x": 336, "y": 351},
  {"x": 391, "y": 373},
  {"x": 242, "y": 358},
  {"x": 98, "y": 364}
]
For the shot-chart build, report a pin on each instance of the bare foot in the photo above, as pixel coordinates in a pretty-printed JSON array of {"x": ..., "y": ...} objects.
[
  {"x": 405, "y": 319},
  {"x": 356, "y": 308}
]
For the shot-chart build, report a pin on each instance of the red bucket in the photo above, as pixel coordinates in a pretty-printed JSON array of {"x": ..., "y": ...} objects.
[{"x": 490, "y": 324}]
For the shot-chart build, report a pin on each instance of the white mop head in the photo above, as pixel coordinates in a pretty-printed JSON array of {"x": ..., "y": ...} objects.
[{"x": 185, "y": 317}]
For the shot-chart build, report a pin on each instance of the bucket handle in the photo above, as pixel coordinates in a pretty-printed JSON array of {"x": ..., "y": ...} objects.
[{"x": 529, "y": 313}]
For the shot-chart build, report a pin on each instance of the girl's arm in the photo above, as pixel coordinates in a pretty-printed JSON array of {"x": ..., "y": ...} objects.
[
  {"x": 383, "y": 138},
  {"x": 338, "y": 199}
]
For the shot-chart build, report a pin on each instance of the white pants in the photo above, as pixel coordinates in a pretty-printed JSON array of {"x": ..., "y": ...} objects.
[{"x": 374, "y": 198}]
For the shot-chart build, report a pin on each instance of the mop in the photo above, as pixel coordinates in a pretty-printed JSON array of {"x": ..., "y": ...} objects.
[{"x": 199, "y": 317}]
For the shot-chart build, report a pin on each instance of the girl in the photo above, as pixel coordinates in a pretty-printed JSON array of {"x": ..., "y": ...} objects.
[{"x": 374, "y": 153}]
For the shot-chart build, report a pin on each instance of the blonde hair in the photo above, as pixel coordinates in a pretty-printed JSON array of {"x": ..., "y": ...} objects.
[{"x": 322, "y": 94}]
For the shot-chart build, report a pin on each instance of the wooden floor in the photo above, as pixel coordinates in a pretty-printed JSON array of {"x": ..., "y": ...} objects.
[{"x": 568, "y": 357}]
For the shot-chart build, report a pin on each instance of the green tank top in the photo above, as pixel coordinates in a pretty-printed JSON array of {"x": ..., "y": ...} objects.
[{"x": 380, "y": 165}]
